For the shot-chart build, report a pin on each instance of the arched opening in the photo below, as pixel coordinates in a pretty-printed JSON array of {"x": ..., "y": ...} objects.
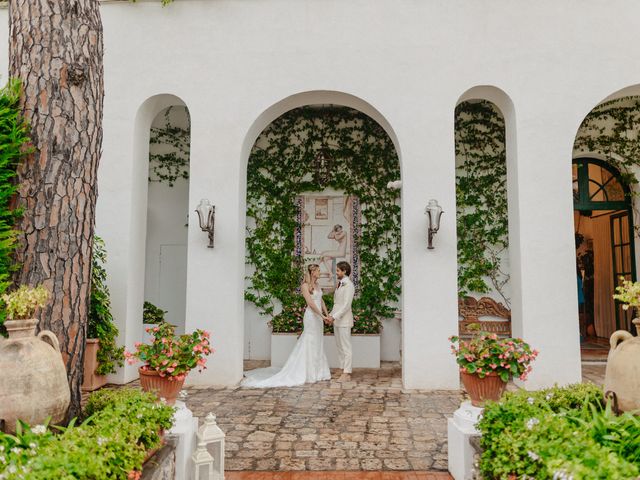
[
  {"x": 605, "y": 167},
  {"x": 167, "y": 215},
  {"x": 319, "y": 166},
  {"x": 489, "y": 275},
  {"x": 605, "y": 251},
  {"x": 482, "y": 217}
]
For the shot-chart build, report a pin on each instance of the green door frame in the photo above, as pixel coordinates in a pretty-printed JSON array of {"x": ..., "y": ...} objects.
[{"x": 583, "y": 202}]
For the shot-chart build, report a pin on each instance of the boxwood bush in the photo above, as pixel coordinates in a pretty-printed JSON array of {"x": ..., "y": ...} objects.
[
  {"x": 558, "y": 433},
  {"x": 119, "y": 428}
]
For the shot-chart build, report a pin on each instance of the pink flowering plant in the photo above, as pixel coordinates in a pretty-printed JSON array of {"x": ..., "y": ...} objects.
[
  {"x": 170, "y": 355},
  {"x": 485, "y": 353}
]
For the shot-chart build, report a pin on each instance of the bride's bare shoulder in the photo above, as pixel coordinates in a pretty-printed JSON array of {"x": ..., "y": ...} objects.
[{"x": 304, "y": 286}]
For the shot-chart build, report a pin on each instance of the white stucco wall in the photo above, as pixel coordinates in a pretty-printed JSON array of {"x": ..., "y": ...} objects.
[{"x": 236, "y": 64}]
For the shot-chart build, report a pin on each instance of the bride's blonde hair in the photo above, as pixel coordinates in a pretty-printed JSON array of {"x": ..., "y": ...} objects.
[{"x": 307, "y": 275}]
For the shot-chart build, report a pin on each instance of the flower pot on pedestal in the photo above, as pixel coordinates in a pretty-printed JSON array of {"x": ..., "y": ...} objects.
[
  {"x": 165, "y": 387},
  {"x": 479, "y": 389}
]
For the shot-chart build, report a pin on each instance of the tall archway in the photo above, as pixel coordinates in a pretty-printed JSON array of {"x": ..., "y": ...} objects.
[
  {"x": 167, "y": 217},
  {"x": 605, "y": 171},
  {"x": 329, "y": 195},
  {"x": 486, "y": 139}
]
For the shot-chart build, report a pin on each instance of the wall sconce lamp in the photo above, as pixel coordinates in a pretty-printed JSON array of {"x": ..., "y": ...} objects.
[
  {"x": 207, "y": 216},
  {"x": 434, "y": 212}
]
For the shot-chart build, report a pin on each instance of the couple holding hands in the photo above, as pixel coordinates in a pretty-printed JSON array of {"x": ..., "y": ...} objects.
[{"x": 308, "y": 362}]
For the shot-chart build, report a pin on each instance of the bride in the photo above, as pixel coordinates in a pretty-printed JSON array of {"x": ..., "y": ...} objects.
[{"x": 307, "y": 362}]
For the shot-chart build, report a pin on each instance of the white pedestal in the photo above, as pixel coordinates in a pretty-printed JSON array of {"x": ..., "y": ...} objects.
[
  {"x": 459, "y": 429},
  {"x": 185, "y": 426}
]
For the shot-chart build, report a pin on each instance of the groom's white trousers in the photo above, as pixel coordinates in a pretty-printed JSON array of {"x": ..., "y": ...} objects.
[{"x": 343, "y": 342}]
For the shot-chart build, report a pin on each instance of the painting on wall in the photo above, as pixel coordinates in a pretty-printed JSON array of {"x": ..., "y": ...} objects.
[{"x": 327, "y": 233}]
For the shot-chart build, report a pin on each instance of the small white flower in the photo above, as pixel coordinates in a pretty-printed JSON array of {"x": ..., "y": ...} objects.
[
  {"x": 548, "y": 396},
  {"x": 101, "y": 440},
  {"x": 2, "y": 459},
  {"x": 12, "y": 469},
  {"x": 532, "y": 422},
  {"x": 1, "y": 448},
  {"x": 39, "y": 429},
  {"x": 530, "y": 400},
  {"x": 32, "y": 445},
  {"x": 16, "y": 450},
  {"x": 533, "y": 456}
]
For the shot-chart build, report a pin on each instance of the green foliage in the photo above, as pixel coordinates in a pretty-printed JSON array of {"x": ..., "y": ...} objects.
[
  {"x": 481, "y": 198},
  {"x": 173, "y": 162},
  {"x": 558, "y": 433},
  {"x": 281, "y": 167},
  {"x": 14, "y": 144},
  {"x": 152, "y": 314},
  {"x": 100, "y": 323},
  {"x": 121, "y": 426}
]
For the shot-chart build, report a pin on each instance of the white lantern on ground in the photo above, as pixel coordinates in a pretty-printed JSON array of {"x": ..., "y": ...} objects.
[
  {"x": 213, "y": 437},
  {"x": 202, "y": 463}
]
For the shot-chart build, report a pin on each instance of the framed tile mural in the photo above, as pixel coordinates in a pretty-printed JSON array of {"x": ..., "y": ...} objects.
[{"x": 328, "y": 232}]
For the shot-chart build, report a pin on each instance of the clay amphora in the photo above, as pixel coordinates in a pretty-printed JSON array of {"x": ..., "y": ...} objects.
[
  {"x": 34, "y": 382},
  {"x": 622, "y": 376}
]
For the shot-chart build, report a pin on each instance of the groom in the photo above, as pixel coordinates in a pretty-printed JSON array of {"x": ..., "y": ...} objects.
[{"x": 341, "y": 318}]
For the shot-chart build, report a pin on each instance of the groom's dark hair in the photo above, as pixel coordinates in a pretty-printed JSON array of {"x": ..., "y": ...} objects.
[{"x": 345, "y": 267}]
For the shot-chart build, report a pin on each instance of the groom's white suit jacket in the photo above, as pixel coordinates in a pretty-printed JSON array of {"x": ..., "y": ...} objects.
[{"x": 342, "y": 298}]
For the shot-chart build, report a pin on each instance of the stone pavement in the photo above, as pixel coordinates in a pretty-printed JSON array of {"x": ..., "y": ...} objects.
[{"x": 370, "y": 423}]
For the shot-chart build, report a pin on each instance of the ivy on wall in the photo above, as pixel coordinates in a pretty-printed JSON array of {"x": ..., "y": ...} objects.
[
  {"x": 281, "y": 167},
  {"x": 481, "y": 198},
  {"x": 611, "y": 130},
  {"x": 171, "y": 162}
]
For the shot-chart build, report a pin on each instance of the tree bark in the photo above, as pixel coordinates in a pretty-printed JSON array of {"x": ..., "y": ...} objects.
[{"x": 55, "y": 48}]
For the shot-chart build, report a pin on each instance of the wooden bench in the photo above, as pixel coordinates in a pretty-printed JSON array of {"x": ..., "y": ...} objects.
[{"x": 471, "y": 310}]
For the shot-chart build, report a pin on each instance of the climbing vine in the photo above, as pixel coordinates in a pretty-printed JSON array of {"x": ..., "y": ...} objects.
[
  {"x": 611, "y": 130},
  {"x": 481, "y": 198},
  {"x": 281, "y": 167},
  {"x": 171, "y": 161}
]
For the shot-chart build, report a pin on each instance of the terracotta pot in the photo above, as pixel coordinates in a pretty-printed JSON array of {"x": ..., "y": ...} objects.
[
  {"x": 151, "y": 381},
  {"x": 479, "y": 389},
  {"x": 91, "y": 380},
  {"x": 34, "y": 379},
  {"x": 622, "y": 376}
]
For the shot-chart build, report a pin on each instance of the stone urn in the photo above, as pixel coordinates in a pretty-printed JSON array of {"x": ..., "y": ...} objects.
[
  {"x": 622, "y": 376},
  {"x": 34, "y": 383}
]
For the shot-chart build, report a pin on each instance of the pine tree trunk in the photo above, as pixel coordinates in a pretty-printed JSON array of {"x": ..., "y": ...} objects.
[{"x": 55, "y": 48}]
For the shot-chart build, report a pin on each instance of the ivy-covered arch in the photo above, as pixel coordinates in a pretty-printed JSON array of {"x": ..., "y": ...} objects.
[{"x": 280, "y": 168}]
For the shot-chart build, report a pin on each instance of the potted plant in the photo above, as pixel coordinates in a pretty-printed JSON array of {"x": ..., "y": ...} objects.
[
  {"x": 169, "y": 358},
  {"x": 34, "y": 379},
  {"x": 102, "y": 354},
  {"x": 488, "y": 362}
]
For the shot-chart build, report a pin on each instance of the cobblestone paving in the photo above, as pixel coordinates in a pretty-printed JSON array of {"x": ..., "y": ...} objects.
[{"x": 370, "y": 423}]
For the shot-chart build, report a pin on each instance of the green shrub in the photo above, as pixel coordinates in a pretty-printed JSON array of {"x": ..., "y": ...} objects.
[
  {"x": 119, "y": 429},
  {"x": 558, "y": 433},
  {"x": 152, "y": 314},
  {"x": 14, "y": 144},
  {"x": 100, "y": 323}
]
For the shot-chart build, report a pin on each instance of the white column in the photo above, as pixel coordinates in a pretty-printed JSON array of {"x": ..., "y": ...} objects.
[
  {"x": 541, "y": 244},
  {"x": 429, "y": 277},
  {"x": 215, "y": 277}
]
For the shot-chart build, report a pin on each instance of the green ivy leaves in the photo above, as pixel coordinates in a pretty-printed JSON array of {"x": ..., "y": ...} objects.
[
  {"x": 280, "y": 168},
  {"x": 481, "y": 198}
]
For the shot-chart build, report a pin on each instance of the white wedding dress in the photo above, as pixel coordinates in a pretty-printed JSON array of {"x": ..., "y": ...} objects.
[{"x": 307, "y": 362}]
